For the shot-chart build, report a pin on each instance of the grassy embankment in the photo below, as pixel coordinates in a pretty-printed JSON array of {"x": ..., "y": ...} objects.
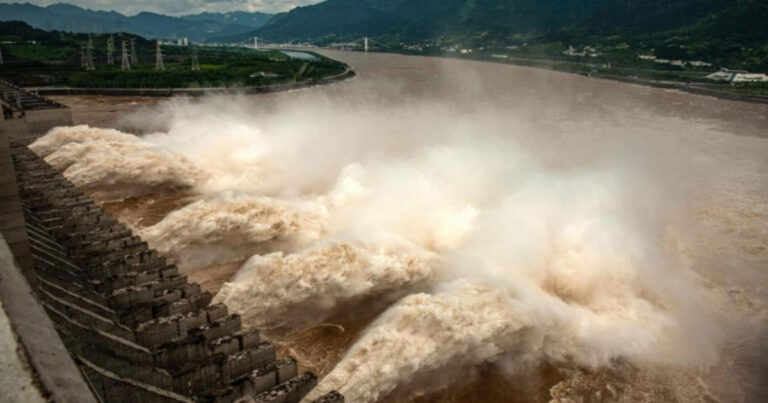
[{"x": 39, "y": 58}]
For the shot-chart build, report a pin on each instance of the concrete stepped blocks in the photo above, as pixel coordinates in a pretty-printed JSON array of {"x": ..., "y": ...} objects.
[
  {"x": 219, "y": 328},
  {"x": 330, "y": 397},
  {"x": 248, "y": 338},
  {"x": 244, "y": 362},
  {"x": 185, "y": 305},
  {"x": 134, "y": 322},
  {"x": 290, "y": 391}
]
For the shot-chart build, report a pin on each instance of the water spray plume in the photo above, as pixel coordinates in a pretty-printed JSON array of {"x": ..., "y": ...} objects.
[{"x": 498, "y": 238}]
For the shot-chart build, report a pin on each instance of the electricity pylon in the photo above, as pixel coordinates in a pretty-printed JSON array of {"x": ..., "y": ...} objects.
[
  {"x": 89, "y": 55},
  {"x": 158, "y": 57},
  {"x": 126, "y": 63},
  {"x": 195, "y": 61},
  {"x": 111, "y": 50},
  {"x": 134, "y": 55}
]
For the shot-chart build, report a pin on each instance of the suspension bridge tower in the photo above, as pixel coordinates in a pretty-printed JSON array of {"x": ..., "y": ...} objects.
[
  {"x": 365, "y": 44},
  {"x": 255, "y": 42}
]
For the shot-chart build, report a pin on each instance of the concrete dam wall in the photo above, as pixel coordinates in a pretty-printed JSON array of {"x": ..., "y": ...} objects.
[{"x": 135, "y": 328}]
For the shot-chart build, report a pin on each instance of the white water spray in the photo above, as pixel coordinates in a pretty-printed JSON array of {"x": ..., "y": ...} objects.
[{"x": 559, "y": 241}]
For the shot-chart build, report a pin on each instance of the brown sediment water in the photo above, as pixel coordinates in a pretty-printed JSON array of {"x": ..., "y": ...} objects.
[{"x": 465, "y": 231}]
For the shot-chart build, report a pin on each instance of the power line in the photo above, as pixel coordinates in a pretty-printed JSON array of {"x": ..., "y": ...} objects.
[
  {"x": 195, "y": 61},
  {"x": 111, "y": 50}
]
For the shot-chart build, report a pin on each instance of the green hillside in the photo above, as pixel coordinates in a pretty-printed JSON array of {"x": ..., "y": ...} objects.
[
  {"x": 33, "y": 57},
  {"x": 731, "y": 33}
]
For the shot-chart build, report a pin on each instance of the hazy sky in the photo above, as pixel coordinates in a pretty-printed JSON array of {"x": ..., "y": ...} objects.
[{"x": 176, "y": 7}]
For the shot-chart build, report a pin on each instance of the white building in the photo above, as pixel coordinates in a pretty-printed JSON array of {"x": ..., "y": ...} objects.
[
  {"x": 738, "y": 76},
  {"x": 573, "y": 52},
  {"x": 750, "y": 78},
  {"x": 586, "y": 51}
]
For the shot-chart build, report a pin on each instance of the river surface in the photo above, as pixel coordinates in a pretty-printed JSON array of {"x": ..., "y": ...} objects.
[{"x": 537, "y": 235}]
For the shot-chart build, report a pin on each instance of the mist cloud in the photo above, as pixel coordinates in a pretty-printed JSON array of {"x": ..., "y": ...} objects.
[{"x": 498, "y": 233}]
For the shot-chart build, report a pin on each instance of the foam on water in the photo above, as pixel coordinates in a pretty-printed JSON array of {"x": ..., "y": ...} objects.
[
  {"x": 123, "y": 164},
  {"x": 568, "y": 240},
  {"x": 309, "y": 284},
  {"x": 231, "y": 227}
]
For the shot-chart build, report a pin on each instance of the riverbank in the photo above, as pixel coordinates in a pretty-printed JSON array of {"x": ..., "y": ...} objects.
[
  {"x": 692, "y": 88},
  {"x": 192, "y": 92},
  {"x": 697, "y": 89}
]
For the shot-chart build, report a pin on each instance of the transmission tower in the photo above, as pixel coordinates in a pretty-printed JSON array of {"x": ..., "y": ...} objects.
[
  {"x": 195, "y": 61},
  {"x": 158, "y": 57},
  {"x": 111, "y": 50},
  {"x": 126, "y": 63},
  {"x": 82, "y": 56},
  {"x": 89, "y": 55},
  {"x": 134, "y": 55}
]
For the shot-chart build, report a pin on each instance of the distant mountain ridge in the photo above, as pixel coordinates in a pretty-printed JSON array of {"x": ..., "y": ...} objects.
[
  {"x": 505, "y": 19},
  {"x": 424, "y": 19},
  {"x": 728, "y": 31},
  {"x": 243, "y": 18},
  {"x": 196, "y": 27}
]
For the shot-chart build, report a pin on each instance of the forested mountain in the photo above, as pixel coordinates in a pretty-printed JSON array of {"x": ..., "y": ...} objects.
[
  {"x": 424, "y": 19},
  {"x": 253, "y": 20},
  {"x": 727, "y": 29},
  {"x": 198, "y": 27}
]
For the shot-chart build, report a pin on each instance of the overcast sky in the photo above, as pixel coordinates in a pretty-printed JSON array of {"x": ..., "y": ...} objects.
[{"x": 177, "y": 7}]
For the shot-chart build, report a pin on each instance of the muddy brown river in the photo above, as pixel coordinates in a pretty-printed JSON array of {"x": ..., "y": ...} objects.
[{"x": 440, "y": 230}]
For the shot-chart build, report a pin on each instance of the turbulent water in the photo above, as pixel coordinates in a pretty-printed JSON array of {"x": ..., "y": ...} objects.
[{"x": 606, "y": 239}]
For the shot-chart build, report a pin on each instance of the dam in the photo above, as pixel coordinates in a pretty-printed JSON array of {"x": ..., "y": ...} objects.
[{"x": 101, "y": 317}]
